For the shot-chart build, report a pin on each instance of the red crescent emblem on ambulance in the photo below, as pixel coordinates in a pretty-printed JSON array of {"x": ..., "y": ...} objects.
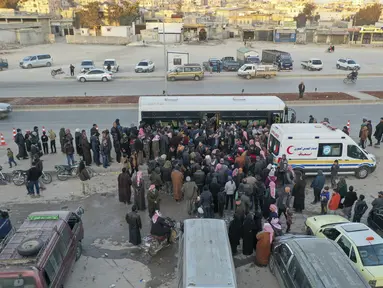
[{"x": 288, "y": 150}]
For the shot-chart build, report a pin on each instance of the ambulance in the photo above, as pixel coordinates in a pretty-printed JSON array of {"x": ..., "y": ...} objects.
[{"x": 310, "y": 147}]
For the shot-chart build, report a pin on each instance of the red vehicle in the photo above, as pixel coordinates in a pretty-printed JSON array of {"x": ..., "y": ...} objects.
[{"x": 41, "y": 253}]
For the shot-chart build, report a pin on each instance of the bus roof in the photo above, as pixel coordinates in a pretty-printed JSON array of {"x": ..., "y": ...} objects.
[{"x": 207, "y": 103}]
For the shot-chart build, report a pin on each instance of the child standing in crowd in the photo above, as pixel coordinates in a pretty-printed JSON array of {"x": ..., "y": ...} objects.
[
  {"x": 359, "y": 209},
  {"x": 11, "y": 158},
  {"x": 324, "y": 198},
  {"x": 289, "y": 219}
]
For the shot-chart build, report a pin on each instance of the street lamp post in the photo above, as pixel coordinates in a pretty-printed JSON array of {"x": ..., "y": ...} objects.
[
  {"x": 353, "y": 28},
  {"x": 165, "y": 54}
]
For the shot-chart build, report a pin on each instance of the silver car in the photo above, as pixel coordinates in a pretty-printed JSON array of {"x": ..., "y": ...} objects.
[
  {"x": 114, "y": 67},
  {"x": 42, "y": 60},
  {"x": 86, "y": 65},
  {"x": 95, "y": 75},
  {"x": 5, "y": 110}
]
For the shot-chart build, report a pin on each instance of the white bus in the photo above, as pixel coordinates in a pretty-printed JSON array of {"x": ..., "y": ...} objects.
[{"x": 173, "y": 110}]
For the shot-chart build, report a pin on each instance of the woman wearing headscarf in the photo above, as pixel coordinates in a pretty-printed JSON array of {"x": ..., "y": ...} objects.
[
  {"x": 177, "y": 181},
  {"x": 248, "y": 235},
  {"x": 263, "y": 250},
  {"x": 138, "y": 185},
  {"x": 153, "y": 200},
  {"x": 85, "y": 147},
  {"x": 299, "y": 192},
  {"x": 214, "y": 189},
  {"x": 269, "y": 199},
  {"x": 271, "y": 177},
  {"x": 77, "y": 139},
  {"x": 62, "y": 139},
  {"x": 235, "y": 233},
  {"x": 124, "y": 189},
  {"x": 341, "y": 187}
]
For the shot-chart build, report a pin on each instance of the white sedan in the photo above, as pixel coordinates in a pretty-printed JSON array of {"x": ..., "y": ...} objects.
[{"x": 95, "y": 75}]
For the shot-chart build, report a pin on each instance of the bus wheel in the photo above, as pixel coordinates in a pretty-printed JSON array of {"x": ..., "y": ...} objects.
[{"x": 362, "y": 172}]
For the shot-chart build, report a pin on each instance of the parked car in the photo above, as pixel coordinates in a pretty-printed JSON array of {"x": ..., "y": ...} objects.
[
  {"x": 306, "y": 261},
  {"x": 42, "y": 252},
  {"x": 375, "y": 220},
  {"x": 3, "y": 64},
  {"x": 113, "y": 65},
  {"x": 186, "y": 72},
  {"x": 348, "y": 64},
  {"x": 145, "y": 66},
  {"x": 312, "y": 64},
  {"x": 95, "y": 75},
  {"x": 86, "y": 65},
  {"x": 361, "y": 244},
  {"x": 5, "y": 110},
  {"x": 213, "y": 64},
  {"x": 41, "y": 60}
]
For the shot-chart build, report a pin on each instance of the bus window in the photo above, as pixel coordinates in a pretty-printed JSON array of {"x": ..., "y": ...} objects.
[{"x": 276, "y": 118}]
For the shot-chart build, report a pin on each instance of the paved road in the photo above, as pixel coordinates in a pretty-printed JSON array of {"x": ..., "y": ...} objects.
[
  {"x": 211, "y": 84},
  {"x": 84, "y": 119}
]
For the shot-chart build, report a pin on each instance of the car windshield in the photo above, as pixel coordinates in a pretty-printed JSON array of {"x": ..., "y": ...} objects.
[
  {"x": 87, "y": 63},
  {"x": 23, "y": 282},
  {"x": 317, "y": 62},
  {"x": 351, "y": 62},
  {"x": 143, "y": 64},
  {"x": 27, "y": 58},
  {"x": 110, "y": 62},
  {"x": 371, "y": 255}
]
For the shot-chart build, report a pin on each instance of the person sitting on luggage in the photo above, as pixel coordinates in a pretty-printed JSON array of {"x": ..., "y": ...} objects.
[{"x": 159, "y": 226}]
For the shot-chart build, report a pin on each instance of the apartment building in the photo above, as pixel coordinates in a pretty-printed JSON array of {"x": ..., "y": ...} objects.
[{"x": 51, "y": 7}]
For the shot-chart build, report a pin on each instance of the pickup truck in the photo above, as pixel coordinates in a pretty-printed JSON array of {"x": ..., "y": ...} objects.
[
  {"x": 215, "y": 64},
  {"x": 249, "y": 71},
  {"x": 229, "y": 64},
  {"x": 313, "y": 64},
  {"x": 5, "y": 228},
  {"x": 3, "y": 64}
]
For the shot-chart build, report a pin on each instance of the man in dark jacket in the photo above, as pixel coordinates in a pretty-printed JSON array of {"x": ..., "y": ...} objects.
[
  {"x": 334, "y": 173},
  {"x": 349, "y": 201},
  {"x": 116, "y": 141},
  {"x": 369, "y": 127},
  {"x": 359, "y": 209},
  {"x": 259, "y": 193},
  {"x": 33, "y": 176},
  {"x": 134, "y": 221},
  {"x": 95, "y": 144},
  {"x": 20, "y": 141},
  {"x": 317, "y": 185},
  {"x": 301, "y": 89},
  {"x": 199, "y": 178},
  {"x": 166, "y": 172},
  {"x": 94, "y": 131},
  {"x": 379, "y": 132},
  {"x": 206, "y": 202}
]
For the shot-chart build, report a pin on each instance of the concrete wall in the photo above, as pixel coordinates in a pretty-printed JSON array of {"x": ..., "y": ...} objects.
[
  {"x": 8, "y": 36},
  {"x": 31, "y": 36},
  {"x": 149, "y": 36},
  {"x": 116, "y": 31},
  {"x": 77, "y": 39},
  {"x": 169, "y": 27}
]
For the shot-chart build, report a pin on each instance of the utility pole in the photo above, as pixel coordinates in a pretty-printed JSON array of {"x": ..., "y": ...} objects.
[
  {"x": 353, "y": 28},
  {"x": 165, "y": 53}
]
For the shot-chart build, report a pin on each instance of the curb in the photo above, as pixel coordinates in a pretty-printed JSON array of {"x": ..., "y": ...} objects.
[{"x": 226, "y": 75}]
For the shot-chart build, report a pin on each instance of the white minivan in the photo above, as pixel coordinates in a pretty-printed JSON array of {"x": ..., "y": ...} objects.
[
  {"x": 42, "y": 60},
  {"x": 310, "y": 147}
]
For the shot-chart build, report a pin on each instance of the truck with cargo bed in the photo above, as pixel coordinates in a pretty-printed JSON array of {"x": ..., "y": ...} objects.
[
  {"x": 246, "y": 55},
  {"x": 250, "y": 71},
  {"x": 281, "y": 59}
]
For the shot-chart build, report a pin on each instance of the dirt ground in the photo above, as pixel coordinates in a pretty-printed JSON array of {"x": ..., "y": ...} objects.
[{"x": 36, "y": 101}]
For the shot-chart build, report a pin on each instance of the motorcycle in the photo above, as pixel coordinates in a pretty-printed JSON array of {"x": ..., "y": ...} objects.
[
  {"x": 349, "y": 79},
  {"x": 19, "y": 177},
  {"x": 4, "y": 178},
  {"x": 55, "y": 72},
  {"x": 153, "y": 244},
  {"x": 66, "y": 171}
]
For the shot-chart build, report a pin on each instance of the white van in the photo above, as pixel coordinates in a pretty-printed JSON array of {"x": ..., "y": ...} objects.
[
  {"x": 204, "y": 255},
  {"x": 310, "y": 147},
  {"x": 41, "y": 60}
]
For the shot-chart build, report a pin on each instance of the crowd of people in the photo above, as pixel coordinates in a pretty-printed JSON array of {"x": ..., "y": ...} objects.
[{"x": 212, "y": 166}]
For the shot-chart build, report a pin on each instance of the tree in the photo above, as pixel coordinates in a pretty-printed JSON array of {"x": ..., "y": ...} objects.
[
  {"x": 306, "y": 14},
  {"x": 91, "y": 16},
  {"x": 368, "y": 15},
  {"x": 179, "y": 7},
  {"x": 124, "y": 13}
]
